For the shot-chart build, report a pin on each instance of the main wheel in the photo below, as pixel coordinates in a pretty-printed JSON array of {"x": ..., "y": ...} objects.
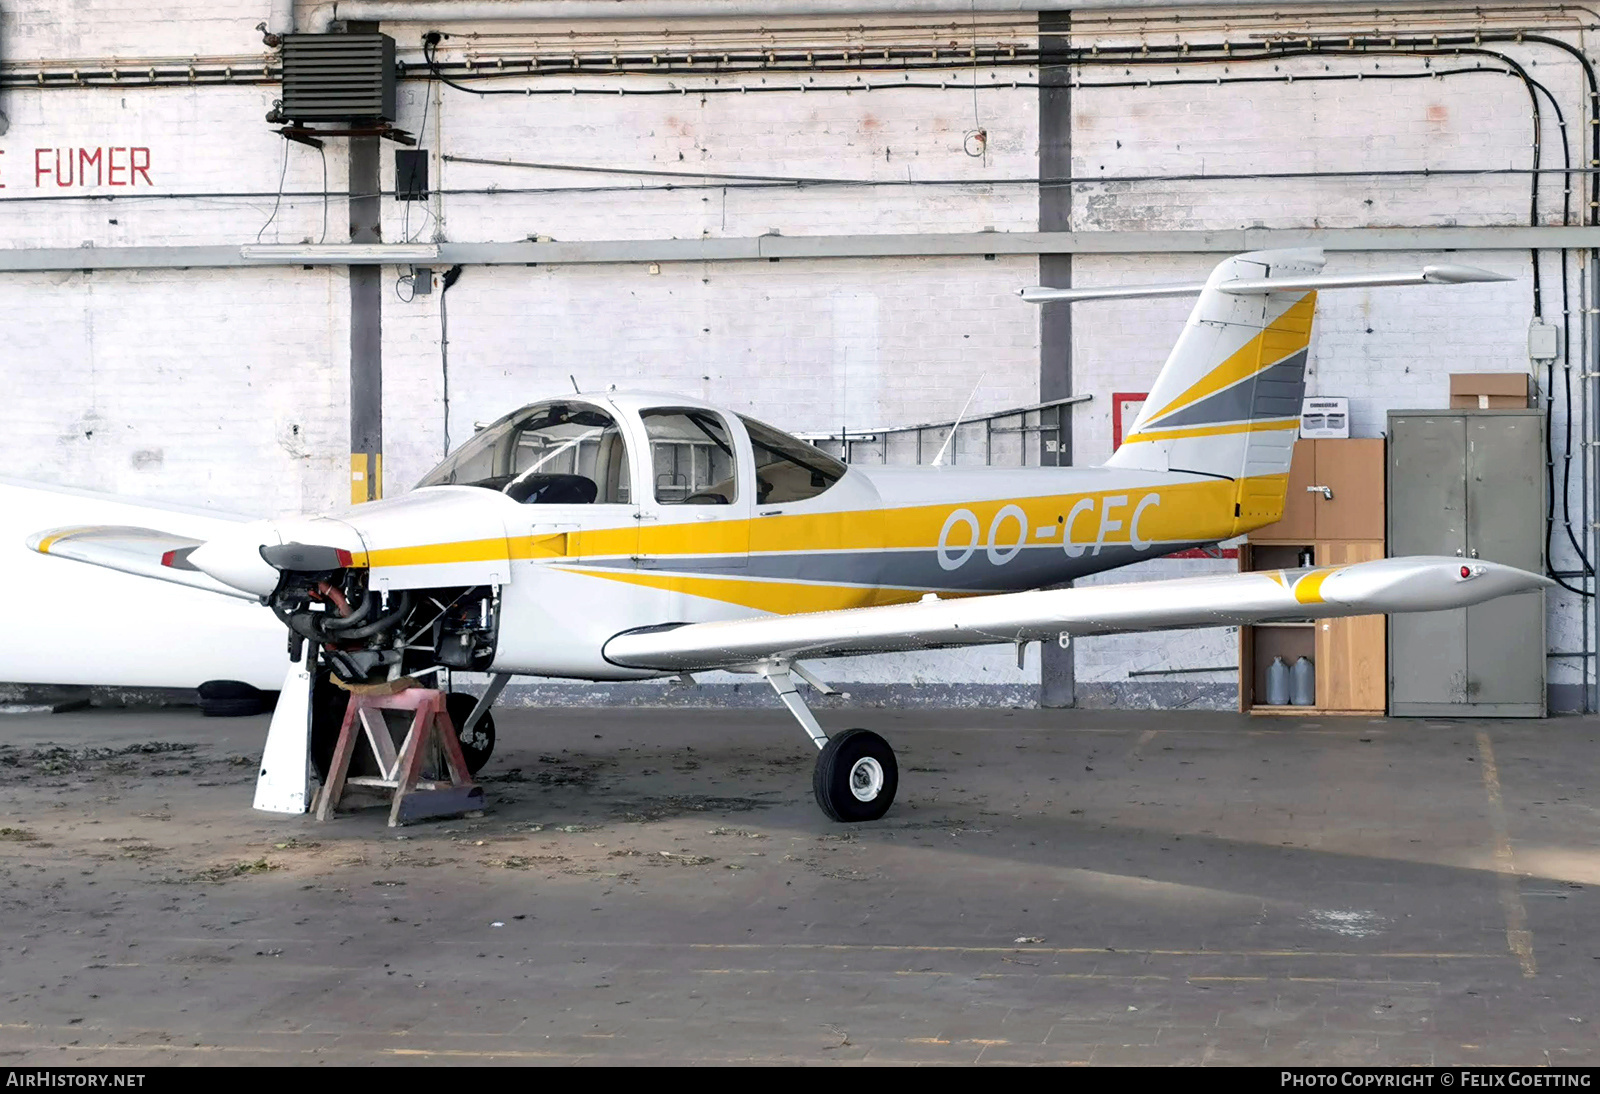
[
  {"x": 479, "y": 746},
  {"x": 856, "y": 776}
]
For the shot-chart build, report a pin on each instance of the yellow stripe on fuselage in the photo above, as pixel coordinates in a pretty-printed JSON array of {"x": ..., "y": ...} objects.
[
  {"x": 778, "y": 597},
  {"x": 1264, "y": 426},
  {"x": 1185, "y": 512}
]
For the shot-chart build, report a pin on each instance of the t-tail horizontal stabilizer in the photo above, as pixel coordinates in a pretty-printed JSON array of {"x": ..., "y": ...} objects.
[{"x": 1428, "y": 275}]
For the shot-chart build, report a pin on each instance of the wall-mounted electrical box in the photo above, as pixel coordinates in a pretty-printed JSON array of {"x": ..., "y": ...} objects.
[
  {"x": 1543, "y": 341},
  {"x": 346, "y": 78},
  {"x": 411, "y": 174}
]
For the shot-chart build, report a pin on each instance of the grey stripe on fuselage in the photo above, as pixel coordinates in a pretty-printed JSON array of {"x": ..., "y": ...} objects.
[
  {"x": 1274, "y": 392},
  {"x": 1031, "y": 567}
]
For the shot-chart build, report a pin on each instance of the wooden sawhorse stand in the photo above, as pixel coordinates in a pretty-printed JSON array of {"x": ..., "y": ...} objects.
[{"x": 414, "y": 796}]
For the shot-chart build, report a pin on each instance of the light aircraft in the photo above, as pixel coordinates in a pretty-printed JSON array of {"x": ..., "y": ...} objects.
[{"x": 629, "y": 536}]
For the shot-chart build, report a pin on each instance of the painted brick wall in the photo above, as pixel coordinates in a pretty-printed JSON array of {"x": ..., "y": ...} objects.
[
  {"x": 230, "y": 386},
  {"x": 1385, "y": 349},
  {"x": 225, "y": 391}
]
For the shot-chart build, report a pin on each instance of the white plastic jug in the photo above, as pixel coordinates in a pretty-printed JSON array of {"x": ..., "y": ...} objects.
[
  {"x": 1277, "y": 683},
  {"x": 1303, "y": 683}
]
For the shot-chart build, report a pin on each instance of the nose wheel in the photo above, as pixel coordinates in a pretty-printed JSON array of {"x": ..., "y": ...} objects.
[{"x": 856, "y": 775}]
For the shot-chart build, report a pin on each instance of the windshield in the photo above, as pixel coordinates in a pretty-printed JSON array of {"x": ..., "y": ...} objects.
[
  {"x": 548, "y": 453},
  {"x": 787, "y": 468}
]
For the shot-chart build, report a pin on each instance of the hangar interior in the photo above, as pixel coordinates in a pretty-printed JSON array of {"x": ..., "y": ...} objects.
[{"x": 818, "y": 214}]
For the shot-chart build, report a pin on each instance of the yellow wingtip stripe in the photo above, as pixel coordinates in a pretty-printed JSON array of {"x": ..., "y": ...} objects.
[{"x": 1308, "y": 590}]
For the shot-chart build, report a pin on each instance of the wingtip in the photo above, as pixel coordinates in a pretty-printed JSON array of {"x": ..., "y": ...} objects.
[{"x": 1452, "y": 274}]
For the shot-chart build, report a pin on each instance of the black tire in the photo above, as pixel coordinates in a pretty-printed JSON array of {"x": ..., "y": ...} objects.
[
  {"x": 230, "y": 699},
  {"x": 328, "y": 704},
  {"x": 854, "y": 763},
  {"x": 477, "y": 749}
]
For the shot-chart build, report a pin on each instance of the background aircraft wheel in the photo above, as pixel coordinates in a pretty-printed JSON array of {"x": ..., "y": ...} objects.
[
  {"x": 328, "y": 704},
  {"x": 231, "y": 699},
  {"x": 856, "y": 776},
  {"x": 476, "y": 749}
]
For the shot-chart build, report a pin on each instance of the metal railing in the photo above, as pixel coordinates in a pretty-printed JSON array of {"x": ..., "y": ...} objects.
[{"x": 1024, "y": 436}]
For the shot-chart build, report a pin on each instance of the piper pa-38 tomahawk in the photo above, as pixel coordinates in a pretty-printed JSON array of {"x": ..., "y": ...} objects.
[{"x": 635, "y": 536}]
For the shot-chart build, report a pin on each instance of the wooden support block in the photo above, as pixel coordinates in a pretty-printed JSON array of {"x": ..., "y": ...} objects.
[{"x": 412, "y": 796}]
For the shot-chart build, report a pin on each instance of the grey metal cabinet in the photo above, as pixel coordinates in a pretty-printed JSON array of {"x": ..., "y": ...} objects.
[{"x": 1469, "y": 484}]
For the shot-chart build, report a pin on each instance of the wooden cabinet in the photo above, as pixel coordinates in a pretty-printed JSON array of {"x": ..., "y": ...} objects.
[
  {"x": 1352, "y": 472},
  {"x": 1349, "y": 655}
]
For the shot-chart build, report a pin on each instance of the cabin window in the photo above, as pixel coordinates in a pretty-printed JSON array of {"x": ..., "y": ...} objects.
[
  {"x": 547, "y": 454},
  {"x": 787, "y": 468},
  {"x": 691, "y": 457}
]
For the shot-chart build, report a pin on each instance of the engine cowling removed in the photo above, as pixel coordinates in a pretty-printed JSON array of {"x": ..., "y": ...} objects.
[{"x": 366, "y": 635}]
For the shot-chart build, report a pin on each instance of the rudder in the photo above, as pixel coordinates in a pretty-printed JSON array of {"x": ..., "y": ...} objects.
[{"x": 1227, "y": 401}]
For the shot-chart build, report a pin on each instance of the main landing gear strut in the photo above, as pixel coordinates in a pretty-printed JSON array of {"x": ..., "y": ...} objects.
[{"x": 856, "y": 774}]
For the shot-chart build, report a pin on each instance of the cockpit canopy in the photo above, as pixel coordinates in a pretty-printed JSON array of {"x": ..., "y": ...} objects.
[{"x": 567, "y": 452}]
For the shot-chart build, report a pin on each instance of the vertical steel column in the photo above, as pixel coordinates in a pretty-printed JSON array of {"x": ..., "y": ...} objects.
[
  {"x": 366, "y": 319},
  {"x": 1057, "y": 676}
]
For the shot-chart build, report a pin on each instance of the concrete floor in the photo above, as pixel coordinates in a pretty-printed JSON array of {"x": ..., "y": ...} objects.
[{"x": 657, "y": 886}]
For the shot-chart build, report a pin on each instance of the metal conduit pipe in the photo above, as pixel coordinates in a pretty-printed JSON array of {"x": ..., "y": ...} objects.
[
  {"x": 280, "y": 17},
  {"x": 323, "y": 17}
]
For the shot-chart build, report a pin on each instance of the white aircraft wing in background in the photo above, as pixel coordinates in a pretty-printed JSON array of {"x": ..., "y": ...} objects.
[
  {"x": 94, "y": 625},
  {"x": 1421, "y": 583},
  {"x": 143, "y": 552}
]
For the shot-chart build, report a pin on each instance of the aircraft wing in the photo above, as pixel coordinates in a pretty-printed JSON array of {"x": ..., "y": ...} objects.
[
  {"x": 144, "y": 552},
  {"x": 1413, "y": 584}
]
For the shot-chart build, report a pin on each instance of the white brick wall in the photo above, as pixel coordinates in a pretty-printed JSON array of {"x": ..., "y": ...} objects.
[
  {"x": 231, "y": 386},
  {"x": 806, "y": 344},
  {"x": 224, "y": 390}
]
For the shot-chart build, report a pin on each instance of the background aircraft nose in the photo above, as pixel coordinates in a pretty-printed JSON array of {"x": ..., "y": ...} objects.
[{"x": 234, "y": 558}]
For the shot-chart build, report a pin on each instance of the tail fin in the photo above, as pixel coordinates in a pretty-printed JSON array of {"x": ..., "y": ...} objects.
[{"x": 1227, "y": 402}]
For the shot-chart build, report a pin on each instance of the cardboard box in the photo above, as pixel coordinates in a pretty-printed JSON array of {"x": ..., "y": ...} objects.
[{"x": 1489, "y": 390}]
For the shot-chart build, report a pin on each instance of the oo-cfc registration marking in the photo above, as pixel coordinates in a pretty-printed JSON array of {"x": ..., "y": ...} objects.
[{"x": 1001, "y": 548}]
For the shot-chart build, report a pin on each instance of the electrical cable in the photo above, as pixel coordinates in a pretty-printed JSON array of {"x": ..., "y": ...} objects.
[
  {"x": 282, "y": 174},
  {"x": 451, "y": 276},
  {"x": 1592, "y": 218},
  {"x": 323, "y": 152},
  {"x": 807, "y": 183},
  {"x": 422, "y": 136},
  {"x": 1549, "y": 403}
]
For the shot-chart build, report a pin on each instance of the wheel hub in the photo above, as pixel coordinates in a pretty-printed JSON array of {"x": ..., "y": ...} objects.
[{"x": 866, "y": 779}]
